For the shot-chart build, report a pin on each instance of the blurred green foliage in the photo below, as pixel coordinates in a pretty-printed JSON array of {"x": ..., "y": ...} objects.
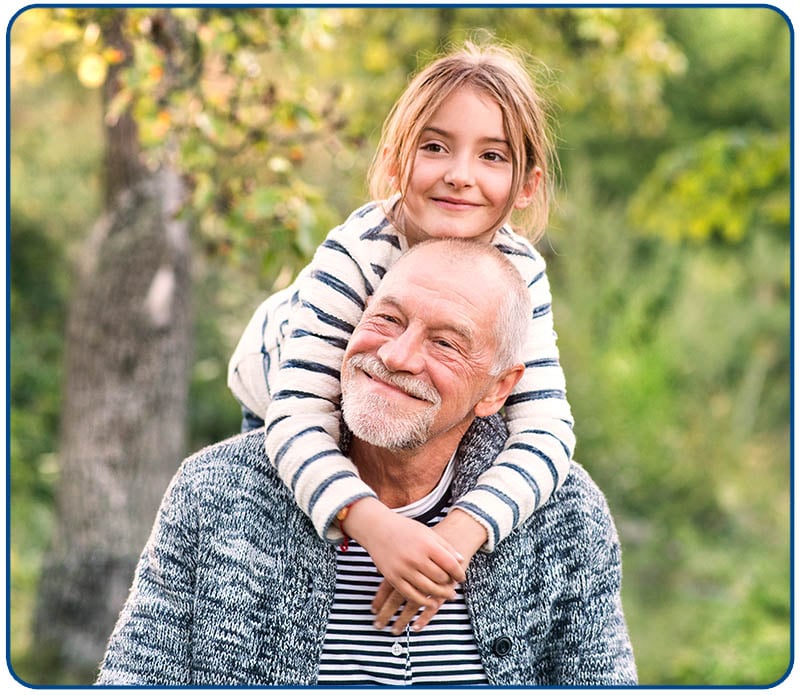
[
  {"x": 669, "y": 256},
  {"x": 718, "y": 186}
]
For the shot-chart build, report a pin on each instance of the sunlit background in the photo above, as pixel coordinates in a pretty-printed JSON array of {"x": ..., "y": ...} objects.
[{"x": 668, "y": 253}]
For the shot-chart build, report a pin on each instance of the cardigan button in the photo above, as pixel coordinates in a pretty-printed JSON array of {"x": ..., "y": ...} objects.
[{"x": 501, "y": 646}]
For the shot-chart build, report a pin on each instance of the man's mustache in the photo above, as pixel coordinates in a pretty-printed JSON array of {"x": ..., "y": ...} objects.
[{"x": 372, "y": 366}]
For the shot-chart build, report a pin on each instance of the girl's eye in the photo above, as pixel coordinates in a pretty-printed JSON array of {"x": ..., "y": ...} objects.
[
  {"x": 432, "y": 147},
  {"x": 495, "y": 157}
]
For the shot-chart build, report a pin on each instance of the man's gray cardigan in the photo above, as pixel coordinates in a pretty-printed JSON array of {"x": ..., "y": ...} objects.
[{"x": 234, "y": 586}]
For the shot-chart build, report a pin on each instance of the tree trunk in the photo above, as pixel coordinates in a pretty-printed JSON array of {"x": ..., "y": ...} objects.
[
  {"x": 122, "y": 165},
  {"x": 123, "y": 428},
  {"x": 124, "y": 420}
]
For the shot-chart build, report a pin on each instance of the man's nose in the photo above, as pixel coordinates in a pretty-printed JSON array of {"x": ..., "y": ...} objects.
[{"x": 403, "y": 353}]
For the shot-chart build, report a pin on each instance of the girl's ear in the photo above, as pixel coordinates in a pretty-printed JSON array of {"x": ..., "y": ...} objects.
[
  {"x": 528, "y": 190},
  {"x": 391, "y": 167},
  {"x": 498, "y": 391}
]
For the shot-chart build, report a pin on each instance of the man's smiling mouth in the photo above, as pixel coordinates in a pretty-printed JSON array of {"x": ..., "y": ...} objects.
[
  {"x": 375, "y": 370},
  {"x": 394, "y": 386}
]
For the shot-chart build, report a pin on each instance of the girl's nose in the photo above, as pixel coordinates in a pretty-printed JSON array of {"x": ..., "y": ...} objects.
[{"x": 459, "y": 173}]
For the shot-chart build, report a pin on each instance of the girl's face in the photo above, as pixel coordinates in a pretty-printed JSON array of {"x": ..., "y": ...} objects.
[{"x": 461, "y": 177}]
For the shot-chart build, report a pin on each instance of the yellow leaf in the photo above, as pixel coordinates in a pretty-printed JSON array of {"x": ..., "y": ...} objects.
[
  {"x": 113, "y": 56},
  {"x": 377, "y": 56}
]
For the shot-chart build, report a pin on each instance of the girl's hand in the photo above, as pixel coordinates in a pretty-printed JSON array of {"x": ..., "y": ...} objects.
[
  {"x": 467, "y": 536},
  {"x": 387, "y": 602},
  {"x": 464, "y": 533},
  {"x": 419, "y": 563}
]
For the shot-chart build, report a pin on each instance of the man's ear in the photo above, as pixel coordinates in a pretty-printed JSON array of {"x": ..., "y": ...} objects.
[{"x": 498, "y": 391}]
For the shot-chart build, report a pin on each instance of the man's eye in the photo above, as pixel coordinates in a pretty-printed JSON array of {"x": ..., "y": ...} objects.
[{"x": 388, "y": 318}]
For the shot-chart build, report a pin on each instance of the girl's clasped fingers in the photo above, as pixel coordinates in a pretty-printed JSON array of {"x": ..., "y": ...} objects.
[
  {"x": 424, "y": 592},
  {"x": 405, "y": 617},
  {"x": 388, "y": 607},
  {"x": 385, "y": 590},
  {"x": 425, "y": 617},
  {"x": 409, "y": 612},
  {"x": 448, "y": 560}
]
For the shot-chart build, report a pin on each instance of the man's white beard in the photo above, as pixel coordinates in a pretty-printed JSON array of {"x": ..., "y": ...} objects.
[{"x": 379, "y": 420}]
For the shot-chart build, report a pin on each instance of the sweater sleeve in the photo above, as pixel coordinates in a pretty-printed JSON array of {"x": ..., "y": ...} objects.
[
  {"x": 151, "y": 642},
  {"x": 552, "y": 591},
  {"x": 536, "y": 457},
  {"x": 303, "y": 417},
  {"x": 590, "y": 643}
]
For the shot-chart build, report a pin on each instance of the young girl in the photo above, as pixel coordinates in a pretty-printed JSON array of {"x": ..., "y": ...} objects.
[{"x": 464, "y": 147}]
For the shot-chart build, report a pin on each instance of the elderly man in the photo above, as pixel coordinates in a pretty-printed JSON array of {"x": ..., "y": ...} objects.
[{"x": 235, "y": 588}]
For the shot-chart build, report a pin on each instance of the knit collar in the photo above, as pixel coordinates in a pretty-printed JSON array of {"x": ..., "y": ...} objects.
[{"x": 469, "y": 459}]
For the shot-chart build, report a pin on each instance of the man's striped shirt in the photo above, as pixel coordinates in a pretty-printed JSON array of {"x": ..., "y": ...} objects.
[{"x": 356, "y": 653}]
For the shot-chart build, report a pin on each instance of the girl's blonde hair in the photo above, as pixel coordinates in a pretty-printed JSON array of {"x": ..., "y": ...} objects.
[{"x": 500, "y": 73}]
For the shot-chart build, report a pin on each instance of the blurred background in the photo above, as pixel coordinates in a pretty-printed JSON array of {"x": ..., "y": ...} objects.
[{"x": 171, "y": 167}]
